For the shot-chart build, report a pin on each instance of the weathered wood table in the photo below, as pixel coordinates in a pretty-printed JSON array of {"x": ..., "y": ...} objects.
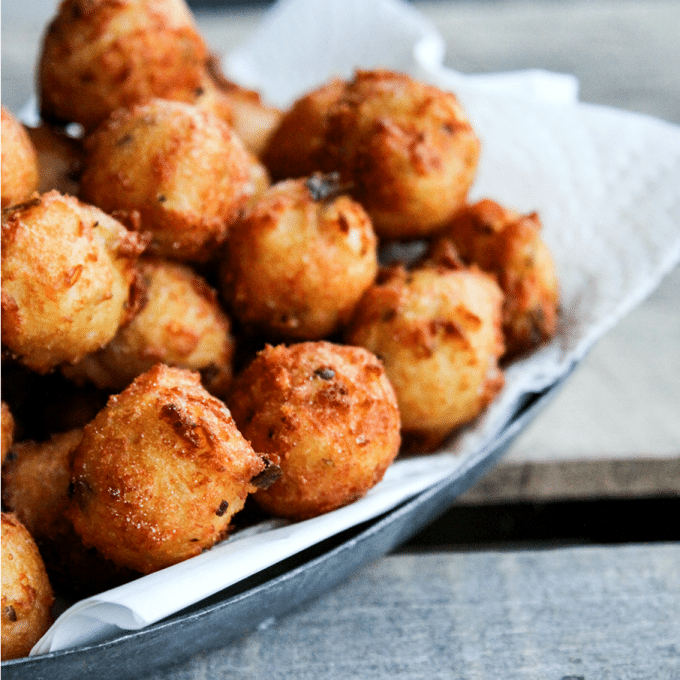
[{"x": 612, "y": 432}]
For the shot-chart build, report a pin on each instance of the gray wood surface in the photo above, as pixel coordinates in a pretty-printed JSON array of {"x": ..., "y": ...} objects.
[{"x": 590, "y": 613}]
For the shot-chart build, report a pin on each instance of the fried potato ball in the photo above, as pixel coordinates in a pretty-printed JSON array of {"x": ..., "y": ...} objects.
[
  {"x": 407, "y": 147},
  {"x": 35, "y": 483},
  {"x": 26, "y": 591},
  {"x": 252, "y": 119},
  {"x": 327, "y": 415},
  {"x": 60, "y": 159},
  {"x": 160, "y": 472},
  {"x": 180, "y": 324},
  {"x": 19, "y": 169},
  {"x": 437, "y": 329},
  {"x": 7, "y": 430},
  {"x": 295, "y": 147},
  {"x": 68, "y": 273},
  {"x": 99, "y": 55},
  {"x": 172, "y": 170},
  {"x": 509, "y": 245},
  {"x": 300, "y": 260},
  {"x": 35, "y": 486}
]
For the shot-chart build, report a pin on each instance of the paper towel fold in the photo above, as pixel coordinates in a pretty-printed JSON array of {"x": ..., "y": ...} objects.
[
  {"x": 605, "y": 183},
  {"x": 301, "y": 43}
]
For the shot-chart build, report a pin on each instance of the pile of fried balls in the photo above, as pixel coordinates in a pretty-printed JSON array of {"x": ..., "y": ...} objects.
[{"x": 199, "y": 320}]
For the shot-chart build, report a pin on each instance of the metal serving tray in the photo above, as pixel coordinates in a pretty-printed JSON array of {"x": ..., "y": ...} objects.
[{"x": 238, "y": 609}]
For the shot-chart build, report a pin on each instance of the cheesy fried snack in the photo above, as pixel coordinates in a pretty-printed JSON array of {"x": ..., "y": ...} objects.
[
  {"x": 172, "y": 170},
  {"x": 19, "y": 162},
  {"x": 407, "y": 147},
  {"x": 299, "y": 261},
  {"x": 26, "y": 591},
  {"x": 68, "y": 271},
  {"x": 326, "y": 414},
  {"x": 35, "y": 482},
  {"x": 180, "y": 323},
  {"x": 35, "y": 486},
  {"x": 296, "y": 146},
  {"x": 99, "y": 55},
  {"x": 437, "y": 329},
  {"x": 160, "y": 472},
  {"x": 509, "y": 245}
]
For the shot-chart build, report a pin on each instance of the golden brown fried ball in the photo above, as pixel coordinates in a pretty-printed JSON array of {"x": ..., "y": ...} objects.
[
  {"x": 68, "y": 271},
  {"x": 437, "y": 330},
  {"x": 160, "y": 472},
  {"x": 295, "y": 148},
  {"x": 19, "y": 161},
  {"x": 35, "y": 483},
  {"x": 509, "y": 245},
  {"x": 299, "y": 261},
  {"x": 35, "y": 487},
  {"x": 60, "y": 159},
  {"x": 407, "y": 147},
  {"x": 172, "y": 170},
  {"x": 180, "y": 324},
  {"x": 99, "y": 55},
  {"x": 7, "y": 430},
  {"x": 327, "y": 415},
  {"x": 26, "y": 591},
  {"x": 252, "y": 119}
]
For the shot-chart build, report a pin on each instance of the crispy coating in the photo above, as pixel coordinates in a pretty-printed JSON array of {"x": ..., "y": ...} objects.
[
  {"x": 172, "y": 170},
  {"x": 408, "y": 148},
  {"x": 26, "y": 591},
  {"x": 99, "y": 55},
  {"x": 19, "y": 162},
  {"x": 300, "y": 260},
  {"x": 35, "y": 485},
  {"x": 60, "y": 159},
  {"x": 68, "y": 271},
  {"x": 509, "y": 245},
  {"x": 437, "y": 329},
  {"x": 7, "y": 430},
  {"x": 160, "y": 472},
  {"x": 295, "y": 147},
  {"x": 327, "y": 415},
  {"x": 252, "y": 119},
  {"x": 180, "y": 324}
]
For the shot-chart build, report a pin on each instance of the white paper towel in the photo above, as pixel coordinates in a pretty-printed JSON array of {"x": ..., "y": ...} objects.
[{"x": 606, "y": 184}]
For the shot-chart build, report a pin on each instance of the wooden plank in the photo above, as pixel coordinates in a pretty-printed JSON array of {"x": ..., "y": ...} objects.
[
  {"x": 576, "y": 480},
  {"x": 570, "y": 613}
]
